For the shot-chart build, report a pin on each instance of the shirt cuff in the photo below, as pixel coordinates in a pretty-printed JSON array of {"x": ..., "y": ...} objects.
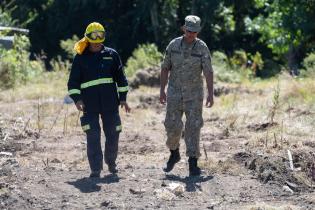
[{"x": 122, "y": 96}]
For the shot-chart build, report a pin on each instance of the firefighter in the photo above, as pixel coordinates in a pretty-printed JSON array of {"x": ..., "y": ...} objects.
[{"x": 97, "y": 84}]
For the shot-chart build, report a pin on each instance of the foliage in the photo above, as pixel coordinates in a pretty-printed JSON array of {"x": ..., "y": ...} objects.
[
  {"x": 264, "y": 29},
  {"x": 309, "y": 65},
  {"x": 58, "y": 64},
  {"x": 257, "y": 62},
  {"x": 270, "y": 69},
  {"x": 309, "y": 62},
  {"x": 239, "y": 59},
  {"x": 143, "y": 56},
  {"x": 5, "y": 15},
  {"x": 67, "y": 45},
  {"x": 227, "y": 72},
  {"x": 285, "y": 26},
  {"x": 15, "y": 66}
]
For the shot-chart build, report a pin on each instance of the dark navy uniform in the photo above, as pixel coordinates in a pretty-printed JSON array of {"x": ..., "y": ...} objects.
[{"x": 98, "y": 79}]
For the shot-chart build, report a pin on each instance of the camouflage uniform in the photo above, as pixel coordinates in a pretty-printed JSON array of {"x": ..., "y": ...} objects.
[{"x": 186, "y": 62}]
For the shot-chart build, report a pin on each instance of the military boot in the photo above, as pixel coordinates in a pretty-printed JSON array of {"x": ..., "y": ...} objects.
[
  {"x": 194, "y": 170},
  {"x": 174, "y": 158}
]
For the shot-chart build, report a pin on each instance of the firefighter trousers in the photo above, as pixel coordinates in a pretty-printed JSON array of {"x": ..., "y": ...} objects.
[{"x": 112, "y": 127}]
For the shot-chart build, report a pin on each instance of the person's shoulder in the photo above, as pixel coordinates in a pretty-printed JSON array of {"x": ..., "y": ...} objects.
[
  {"x": 176, "y": 41},
  {"x": 78, "y": 56},
  {"x": 201, "y": 43}
]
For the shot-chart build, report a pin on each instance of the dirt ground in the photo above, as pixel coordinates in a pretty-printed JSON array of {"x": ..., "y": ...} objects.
[{"x": 244, "y": 158}]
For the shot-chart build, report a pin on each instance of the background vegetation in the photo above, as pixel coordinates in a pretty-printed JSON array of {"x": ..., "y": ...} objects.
[{"x": 247, "y": 38}]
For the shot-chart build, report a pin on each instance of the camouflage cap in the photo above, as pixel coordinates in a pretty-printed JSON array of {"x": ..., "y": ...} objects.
[{"x": 192, "y": 23}]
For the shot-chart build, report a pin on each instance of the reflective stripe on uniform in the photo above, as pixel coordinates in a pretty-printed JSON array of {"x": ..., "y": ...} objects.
[
  {"x": 74, "y": 91},
  {"x": 85, "y": 127},
  {"x": 107, "y": 58},
  {"x": 96, "y": 82},
  {"x": 118, "y": 128},
  {"x": 123, "y": 89}
]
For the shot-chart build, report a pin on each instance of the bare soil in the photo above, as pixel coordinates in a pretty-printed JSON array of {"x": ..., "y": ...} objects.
[{"x": 43, "y": 163}]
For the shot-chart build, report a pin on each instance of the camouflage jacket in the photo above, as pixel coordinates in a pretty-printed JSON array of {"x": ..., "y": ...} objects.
[{"x": 186, "y": 63}]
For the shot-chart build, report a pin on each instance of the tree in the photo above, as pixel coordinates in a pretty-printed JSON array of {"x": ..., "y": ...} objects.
[{"x": 287, "y": 28}]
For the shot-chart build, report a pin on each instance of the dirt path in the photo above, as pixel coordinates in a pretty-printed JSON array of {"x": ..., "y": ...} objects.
[{"x": 49, "y": 170}]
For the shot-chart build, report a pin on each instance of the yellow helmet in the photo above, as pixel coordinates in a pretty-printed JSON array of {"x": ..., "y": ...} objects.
[{"x": 95, "y": 33}]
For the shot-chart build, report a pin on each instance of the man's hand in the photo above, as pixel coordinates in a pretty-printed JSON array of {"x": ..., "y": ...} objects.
[
  {"x": 80, "y": 105},
  {"x": 162, "y": 97},
  {"x": 209, "y": 102},
  {"x": 125, "y": 104}
]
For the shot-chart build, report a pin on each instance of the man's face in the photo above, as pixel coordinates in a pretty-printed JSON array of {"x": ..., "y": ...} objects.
[
  {"x": 94, "y": 47},
  {"x": 190, "y": 36}
]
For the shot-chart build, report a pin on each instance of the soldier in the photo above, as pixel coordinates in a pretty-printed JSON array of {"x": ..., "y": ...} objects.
[
  {"x": 98, "y": 85},
  {"x": 186, "y": 57}
]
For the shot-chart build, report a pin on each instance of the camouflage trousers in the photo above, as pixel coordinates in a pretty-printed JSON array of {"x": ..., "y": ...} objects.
[{"x": 174, "y": 125}]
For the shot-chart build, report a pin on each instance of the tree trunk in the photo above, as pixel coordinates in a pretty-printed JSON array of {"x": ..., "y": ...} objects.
[
  {"x": 292, "y": 60},
  {"x": 155, "y": 21},
  {"x": 193, "y": 7}
]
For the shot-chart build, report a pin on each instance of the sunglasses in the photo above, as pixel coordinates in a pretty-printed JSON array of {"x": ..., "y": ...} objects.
[
  {"x": 96, "y": 34},
  {"x": 193, "y": 32}
]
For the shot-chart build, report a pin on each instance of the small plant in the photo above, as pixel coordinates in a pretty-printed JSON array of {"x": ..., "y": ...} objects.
[{"x": 275, "y": 103}]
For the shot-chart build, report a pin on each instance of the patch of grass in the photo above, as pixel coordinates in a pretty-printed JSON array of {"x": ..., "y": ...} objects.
[
  {"x": 300, "y": 90},
  {"x": 46, "y": 85},
  {"x": 228, "y": 166},
  {"x": 264, "y": 206},
  {"x": 228, "y": 101}
]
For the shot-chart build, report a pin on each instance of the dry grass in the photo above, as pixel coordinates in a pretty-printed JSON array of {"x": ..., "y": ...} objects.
[
  {"x": 48, "y": 85},
  {"x": 269, "y": 207},
  {"x": 40, "y": 104}
]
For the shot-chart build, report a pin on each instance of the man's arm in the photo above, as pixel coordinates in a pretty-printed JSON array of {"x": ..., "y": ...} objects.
[
  {"x": 209, "y": 80},
  {"x": 74, "y": 82},
  {"x": 163, "y": 83},
  {"x": 121, "y": 81},
  {"x": 165, "y": 69},
  {"x": 208, "y": 73}
]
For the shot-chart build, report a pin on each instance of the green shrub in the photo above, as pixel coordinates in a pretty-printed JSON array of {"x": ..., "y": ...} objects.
[
  {"x": 143, "y": 56},
  {"x": 15, "y": 66},
  {"x": 258, "y": 62},
  {"x": 239, "y": 59},
  {"x": 224, "y": 71},
  {"x": 67, "y": 46},
  {"x": 270, "y": 69},
  {"x": 309, "y": 65}
]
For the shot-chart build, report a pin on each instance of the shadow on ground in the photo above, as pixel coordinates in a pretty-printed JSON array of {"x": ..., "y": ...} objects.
[{"x": 88, "y": 185}]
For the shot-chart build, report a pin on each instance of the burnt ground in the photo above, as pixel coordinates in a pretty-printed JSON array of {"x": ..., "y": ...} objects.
[{"x": 43, "y": 163}]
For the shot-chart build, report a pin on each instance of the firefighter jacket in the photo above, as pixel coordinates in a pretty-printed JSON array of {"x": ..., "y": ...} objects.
[{"x": 98, "y": 80}]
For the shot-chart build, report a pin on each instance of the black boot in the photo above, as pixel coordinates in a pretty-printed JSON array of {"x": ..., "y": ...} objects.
[
  {"x": 112, "y": 168},
  {"x": 95, "y": 174},
  {"x": 174, "y": 158},
  {"x": 194, "y": 170}
]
